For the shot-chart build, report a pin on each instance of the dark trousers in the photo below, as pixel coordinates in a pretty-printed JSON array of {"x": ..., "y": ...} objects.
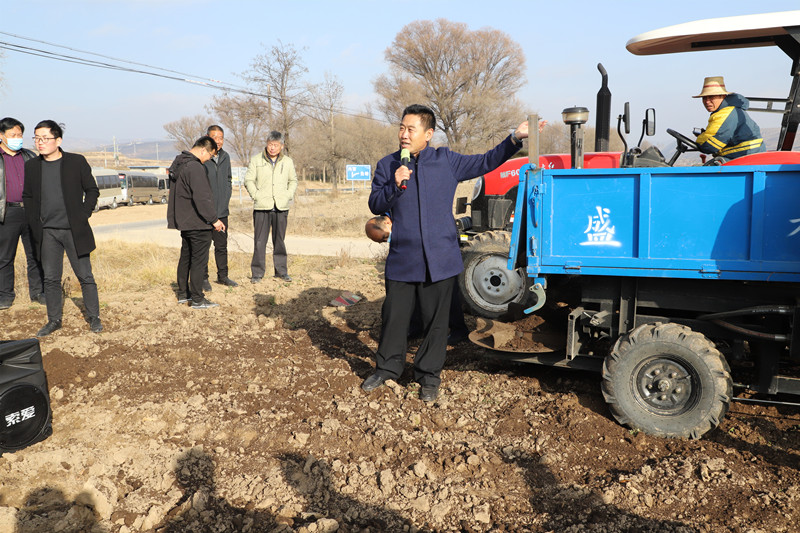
[
  {"x": 14, "y": 228},
  {"x": 55, "y": 242},
  {"x": 263, "y": 221},
  {"x": 455, "y": 320},
  {"x": 220, "y": 241},
  {"x": 434, "y": 300},
  {"x": 193, "y": 263}
]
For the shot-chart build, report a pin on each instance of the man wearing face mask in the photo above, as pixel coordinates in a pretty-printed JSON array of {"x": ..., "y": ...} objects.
[{"x": 13, "y": 224}]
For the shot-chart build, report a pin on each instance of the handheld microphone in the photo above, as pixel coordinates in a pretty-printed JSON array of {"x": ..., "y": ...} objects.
[{"x": 405, "y": 159}]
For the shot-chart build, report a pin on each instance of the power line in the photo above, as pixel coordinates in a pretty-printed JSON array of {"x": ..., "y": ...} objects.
[
  {"x": 113, "y": 58},
  {"x": 182, "y": 77}
]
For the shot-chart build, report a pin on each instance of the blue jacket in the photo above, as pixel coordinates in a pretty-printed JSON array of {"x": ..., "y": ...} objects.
[
  {"x": 424, "y": 244},
  {"x": 731, "y": 133}
]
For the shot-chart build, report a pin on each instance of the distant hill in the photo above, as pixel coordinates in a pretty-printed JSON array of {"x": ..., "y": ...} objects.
[
  {"x": 163, "y": 150},
  {"x": 106, "y": 160}
]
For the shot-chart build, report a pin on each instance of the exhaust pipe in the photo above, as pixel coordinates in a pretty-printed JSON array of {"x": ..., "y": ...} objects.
[{"x": 603, "y": 120}]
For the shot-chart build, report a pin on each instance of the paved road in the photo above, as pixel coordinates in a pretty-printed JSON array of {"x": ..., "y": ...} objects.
[{"x": 156, "y": 231}]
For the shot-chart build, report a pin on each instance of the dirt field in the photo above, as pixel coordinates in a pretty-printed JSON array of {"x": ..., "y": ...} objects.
[{"x": 249, "y": 418}]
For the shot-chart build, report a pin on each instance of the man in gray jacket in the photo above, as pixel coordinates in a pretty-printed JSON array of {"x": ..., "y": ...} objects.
[
  {"x": 271, "y": 182},
  {"x": 191, "y": 210},
  {"x": 220, "y": 177}
]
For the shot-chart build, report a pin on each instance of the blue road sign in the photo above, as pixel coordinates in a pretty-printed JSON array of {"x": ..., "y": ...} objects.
[{"x": 358, "y": 172}]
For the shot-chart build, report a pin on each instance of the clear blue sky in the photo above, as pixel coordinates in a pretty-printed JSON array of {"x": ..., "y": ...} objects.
[{"x": 562, "y": 41}]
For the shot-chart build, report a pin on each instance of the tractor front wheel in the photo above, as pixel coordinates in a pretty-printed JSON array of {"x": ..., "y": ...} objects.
[{"x": 487, "y": 285}]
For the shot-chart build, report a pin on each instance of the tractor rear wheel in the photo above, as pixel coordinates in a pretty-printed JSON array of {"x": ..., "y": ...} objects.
[
  {"x": 668, "y": 381},
  {"x": 487, "y": 285}
]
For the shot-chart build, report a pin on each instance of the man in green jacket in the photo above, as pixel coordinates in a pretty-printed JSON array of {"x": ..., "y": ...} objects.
[{"x": 271, "y": 182}]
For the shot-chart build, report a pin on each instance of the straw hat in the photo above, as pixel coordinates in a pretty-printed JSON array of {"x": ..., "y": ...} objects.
[{"x": 713, "y": 86}]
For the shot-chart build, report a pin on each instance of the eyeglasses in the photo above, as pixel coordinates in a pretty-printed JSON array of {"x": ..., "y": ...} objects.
[{"x": 43, "y": 140}]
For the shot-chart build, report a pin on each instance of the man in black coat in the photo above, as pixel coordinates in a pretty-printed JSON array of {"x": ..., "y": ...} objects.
[
  {"x": 59, "y": 196},
  {"x": 220, "y": 177},
  {"x": 13, "y": 225},
  {"x": 191, "y": 210}
]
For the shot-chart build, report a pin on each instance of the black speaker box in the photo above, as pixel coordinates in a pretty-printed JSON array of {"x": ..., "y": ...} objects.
[{"x": 25, "y": 415}]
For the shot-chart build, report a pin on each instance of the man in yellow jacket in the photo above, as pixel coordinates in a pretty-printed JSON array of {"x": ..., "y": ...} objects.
[
  {"x": 271, "y": 182},
  {"x": 730, "y": 133}
]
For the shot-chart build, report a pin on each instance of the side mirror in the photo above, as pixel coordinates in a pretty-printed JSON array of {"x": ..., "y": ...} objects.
[
  {"x": 461, "y": 205},
  {"x": 626, "y": 117},
  {"x": 650, "y": 122}
]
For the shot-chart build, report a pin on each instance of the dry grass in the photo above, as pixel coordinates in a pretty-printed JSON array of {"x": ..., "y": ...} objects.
[
  {"x": 318, "y": 211},
  {"x": 116, "y": 265},
  {"x": 122, "y": 267},
  {"x": 317, "y": 214}
]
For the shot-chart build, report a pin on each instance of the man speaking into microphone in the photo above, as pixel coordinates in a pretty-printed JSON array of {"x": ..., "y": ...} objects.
[{"x": 416, "y": 185}]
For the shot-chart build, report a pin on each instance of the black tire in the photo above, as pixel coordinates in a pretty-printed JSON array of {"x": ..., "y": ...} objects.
[
  {"x": 131, "y": 203},
  {"x": 150, "y": 201},
  {"x": 487, "y": 285},
  {"x": 114, "y": 203},
  {"x": 668, "y": 381},
  {"x": 163, "y": 199}
]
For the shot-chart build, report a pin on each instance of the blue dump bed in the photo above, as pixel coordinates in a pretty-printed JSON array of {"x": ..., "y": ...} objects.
[{"x": 732, "y": 222}]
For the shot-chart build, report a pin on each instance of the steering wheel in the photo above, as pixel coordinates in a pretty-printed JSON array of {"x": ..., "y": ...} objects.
[
  {"x": 691, "y": 146},
  {"x": 685, "y": 144}
]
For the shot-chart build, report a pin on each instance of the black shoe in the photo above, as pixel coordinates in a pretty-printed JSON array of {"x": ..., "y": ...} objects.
[
  {"x": 95, "y": 325},
  {"x": 373, "y": 382},
  {"x": 203, "y": 304},
  {"x": 39, "y": 299},
  {"x": 49, "y": 328},
  {"x": 457, "y": 337},
  {"x": 255, "y": 280},
  {"x": 5, "y": 305},
  {"x": 228, "y": 282},
  {"x": 206, "y": 285},
  {"x": 285, "y": 277},
  {"x": 429, "y": 393}
]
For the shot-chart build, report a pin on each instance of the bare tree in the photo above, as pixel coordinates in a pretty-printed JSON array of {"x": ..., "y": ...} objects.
[
  {"x": 245, "y": 119},
  {"x": 279, "y": 74},
  {"x": 363, "y": 140},
  {"x": 469, "y": 79},
  {"x": 186, "y": 130},
  {"x": 360, "y": 140},
  {"x": 324, "y": 101}
]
